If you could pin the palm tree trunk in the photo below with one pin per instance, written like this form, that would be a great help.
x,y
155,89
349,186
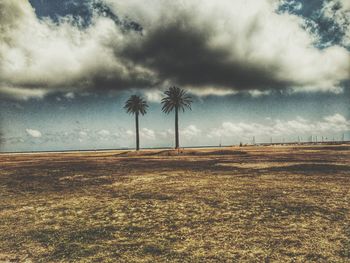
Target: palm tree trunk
x,y
176,128
137,132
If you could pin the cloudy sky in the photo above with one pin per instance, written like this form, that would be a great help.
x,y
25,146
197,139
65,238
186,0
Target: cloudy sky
x,y
270,69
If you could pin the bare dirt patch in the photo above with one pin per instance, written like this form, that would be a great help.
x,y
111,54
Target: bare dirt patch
x,y
250,204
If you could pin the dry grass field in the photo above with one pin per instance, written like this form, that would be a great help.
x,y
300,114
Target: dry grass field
x,y
249,204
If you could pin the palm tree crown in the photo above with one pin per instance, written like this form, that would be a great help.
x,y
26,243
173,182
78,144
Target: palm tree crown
x,y
176,98
136,105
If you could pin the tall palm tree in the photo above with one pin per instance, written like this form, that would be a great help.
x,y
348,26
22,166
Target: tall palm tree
x,y
1,139
136,105
175,99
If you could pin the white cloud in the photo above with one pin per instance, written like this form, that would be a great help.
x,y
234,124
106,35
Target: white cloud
x,y
34,133
336,119
147,134
259,93
190,132
154,96
300,126
69,95
129,133
83,134
22,93
339,12
104,133
292,5
207,91
166,134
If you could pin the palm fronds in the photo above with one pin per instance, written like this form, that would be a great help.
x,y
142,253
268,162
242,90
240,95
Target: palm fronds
x,y
136,105
176,98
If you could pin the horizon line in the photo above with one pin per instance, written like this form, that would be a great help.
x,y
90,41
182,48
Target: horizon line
x,y
185,147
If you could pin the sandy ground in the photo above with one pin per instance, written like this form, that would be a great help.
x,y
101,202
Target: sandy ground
x,y
249,204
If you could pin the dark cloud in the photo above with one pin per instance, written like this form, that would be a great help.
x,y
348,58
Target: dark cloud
x,y
182,54
101,81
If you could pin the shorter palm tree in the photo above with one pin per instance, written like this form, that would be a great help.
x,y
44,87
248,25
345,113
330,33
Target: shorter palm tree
x,y
175,99
136,105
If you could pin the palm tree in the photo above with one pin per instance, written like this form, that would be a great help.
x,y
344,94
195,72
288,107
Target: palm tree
x,y
1,139
136,105
176,98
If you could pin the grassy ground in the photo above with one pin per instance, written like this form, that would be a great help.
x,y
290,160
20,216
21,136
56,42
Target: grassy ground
x,y
250,204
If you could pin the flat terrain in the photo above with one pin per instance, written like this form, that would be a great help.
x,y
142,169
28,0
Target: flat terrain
x,y
249,204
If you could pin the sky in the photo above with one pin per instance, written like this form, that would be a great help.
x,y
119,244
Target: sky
x,y
270,70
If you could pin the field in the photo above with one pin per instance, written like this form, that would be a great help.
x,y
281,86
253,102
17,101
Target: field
x,y
248,204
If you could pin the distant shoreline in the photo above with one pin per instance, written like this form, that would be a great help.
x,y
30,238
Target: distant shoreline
x,y
187,147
